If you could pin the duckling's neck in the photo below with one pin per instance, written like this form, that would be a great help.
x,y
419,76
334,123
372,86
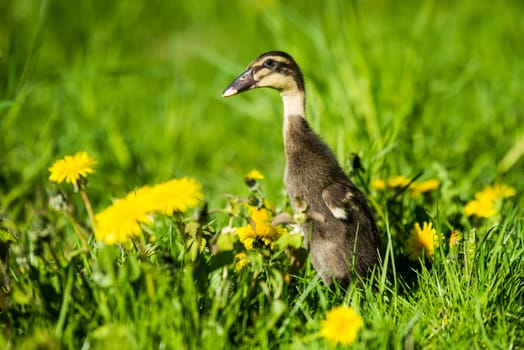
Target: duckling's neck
x,y
294,104
294,108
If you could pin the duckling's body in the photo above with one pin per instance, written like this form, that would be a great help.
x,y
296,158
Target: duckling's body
x,y
343,238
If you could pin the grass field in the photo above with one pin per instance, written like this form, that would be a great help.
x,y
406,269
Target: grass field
x,y
425,90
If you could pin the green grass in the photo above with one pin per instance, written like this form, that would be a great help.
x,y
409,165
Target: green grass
x,y
432,88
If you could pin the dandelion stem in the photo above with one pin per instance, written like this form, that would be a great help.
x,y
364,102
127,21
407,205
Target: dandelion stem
x,y
89,208
65,303
79,232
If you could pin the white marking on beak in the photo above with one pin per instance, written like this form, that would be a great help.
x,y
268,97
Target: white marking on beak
x,y
229,92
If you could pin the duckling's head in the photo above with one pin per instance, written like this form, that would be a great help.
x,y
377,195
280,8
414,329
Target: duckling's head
x,y
274,69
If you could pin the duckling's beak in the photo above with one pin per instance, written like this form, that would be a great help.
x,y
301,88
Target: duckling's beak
x,y
244,82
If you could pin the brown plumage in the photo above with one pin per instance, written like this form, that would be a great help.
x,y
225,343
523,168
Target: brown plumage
x,y
343,239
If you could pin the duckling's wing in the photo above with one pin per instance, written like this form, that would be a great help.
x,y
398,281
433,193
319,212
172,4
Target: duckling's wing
x,y
345,202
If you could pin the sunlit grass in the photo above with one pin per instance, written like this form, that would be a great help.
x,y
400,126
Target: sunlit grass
x,y
428,94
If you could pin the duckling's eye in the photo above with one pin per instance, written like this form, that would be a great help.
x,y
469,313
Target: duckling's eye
x,y
269,63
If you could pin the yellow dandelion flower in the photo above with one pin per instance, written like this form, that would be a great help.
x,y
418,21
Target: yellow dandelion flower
x,y
241,260
72,168
481,208
483,205
122,220
495,192
454,239
254,175
144,198
246,236
176,195
504,191
341,325
260,230
454,244
378,184
397,181
422,240
423,187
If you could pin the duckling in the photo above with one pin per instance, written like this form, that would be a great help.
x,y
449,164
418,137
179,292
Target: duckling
x,y
343,239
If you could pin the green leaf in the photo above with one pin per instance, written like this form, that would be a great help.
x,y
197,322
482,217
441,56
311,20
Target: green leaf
x,y
226,241
6,237
292,240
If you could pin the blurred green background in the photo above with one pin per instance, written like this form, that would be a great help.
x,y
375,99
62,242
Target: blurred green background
x,y
410,86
